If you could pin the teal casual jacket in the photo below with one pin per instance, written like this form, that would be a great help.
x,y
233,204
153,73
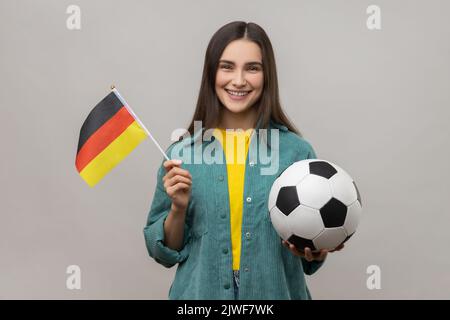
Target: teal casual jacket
x,y
268,270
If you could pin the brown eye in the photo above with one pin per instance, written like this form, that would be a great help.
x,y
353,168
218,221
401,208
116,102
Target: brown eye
x,y
254,68
225,66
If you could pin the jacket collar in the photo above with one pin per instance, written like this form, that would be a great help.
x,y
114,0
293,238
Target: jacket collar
x,y
199,133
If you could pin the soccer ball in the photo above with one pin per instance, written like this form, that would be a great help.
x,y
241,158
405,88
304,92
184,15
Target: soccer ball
x,y
316,204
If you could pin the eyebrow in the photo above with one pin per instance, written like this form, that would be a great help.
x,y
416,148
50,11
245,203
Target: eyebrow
x,y
248,63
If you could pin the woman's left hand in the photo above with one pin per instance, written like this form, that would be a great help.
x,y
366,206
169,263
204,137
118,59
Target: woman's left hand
x,y
308,254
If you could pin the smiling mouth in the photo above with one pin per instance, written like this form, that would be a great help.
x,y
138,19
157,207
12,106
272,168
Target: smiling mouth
x,y
238,93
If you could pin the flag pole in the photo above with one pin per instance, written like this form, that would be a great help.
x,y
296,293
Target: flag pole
x,y
113,88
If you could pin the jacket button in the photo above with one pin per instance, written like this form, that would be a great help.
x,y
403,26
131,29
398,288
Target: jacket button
x,y
225,250
220,178
251,164
247,235
249,199
226,286
223,215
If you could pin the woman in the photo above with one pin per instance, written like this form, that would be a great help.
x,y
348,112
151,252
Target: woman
x,y
211,217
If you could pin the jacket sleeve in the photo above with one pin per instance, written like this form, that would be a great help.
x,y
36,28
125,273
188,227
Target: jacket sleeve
x,y
310,268
154,229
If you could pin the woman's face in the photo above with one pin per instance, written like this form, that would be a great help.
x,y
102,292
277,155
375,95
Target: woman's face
x,y
239,77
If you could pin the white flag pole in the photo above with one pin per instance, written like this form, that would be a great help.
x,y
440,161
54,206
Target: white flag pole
x,y
138,120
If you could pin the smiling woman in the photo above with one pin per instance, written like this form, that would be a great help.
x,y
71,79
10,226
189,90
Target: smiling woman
x,y
211,218
239,58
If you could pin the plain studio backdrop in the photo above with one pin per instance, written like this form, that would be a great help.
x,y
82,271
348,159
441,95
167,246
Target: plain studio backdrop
x,y
375,102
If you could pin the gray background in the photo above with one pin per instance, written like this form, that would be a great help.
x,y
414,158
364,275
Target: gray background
x,y
374,102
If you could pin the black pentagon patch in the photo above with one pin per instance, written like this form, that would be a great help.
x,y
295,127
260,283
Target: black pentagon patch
x,y
301,243
322,168
357,192
333,213
287,199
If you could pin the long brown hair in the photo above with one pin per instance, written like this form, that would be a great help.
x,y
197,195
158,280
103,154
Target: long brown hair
x,y
208,104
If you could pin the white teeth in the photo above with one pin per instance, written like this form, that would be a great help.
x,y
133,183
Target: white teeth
x,y
238,93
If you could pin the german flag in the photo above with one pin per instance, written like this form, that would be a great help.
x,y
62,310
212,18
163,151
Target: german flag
x,y
110,132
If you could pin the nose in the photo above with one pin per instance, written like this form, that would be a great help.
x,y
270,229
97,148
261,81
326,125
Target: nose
x,y
239,80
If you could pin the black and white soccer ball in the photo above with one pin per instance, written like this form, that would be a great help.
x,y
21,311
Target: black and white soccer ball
x,y
316,204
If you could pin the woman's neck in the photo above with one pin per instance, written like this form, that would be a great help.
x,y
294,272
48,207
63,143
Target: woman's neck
x,y
244,120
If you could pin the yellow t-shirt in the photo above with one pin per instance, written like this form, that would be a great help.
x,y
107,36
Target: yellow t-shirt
x,y
235,144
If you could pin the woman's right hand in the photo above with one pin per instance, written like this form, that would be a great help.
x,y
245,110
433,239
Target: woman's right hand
x,y
178,184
